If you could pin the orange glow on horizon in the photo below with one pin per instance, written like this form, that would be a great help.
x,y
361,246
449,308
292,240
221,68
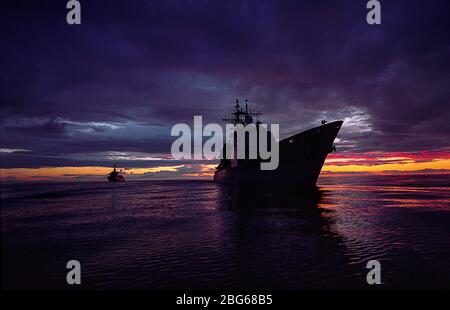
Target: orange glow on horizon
x,y
383,161
438,164
68,173
370,162
205,171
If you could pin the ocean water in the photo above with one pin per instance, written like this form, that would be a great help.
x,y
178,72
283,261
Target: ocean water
x,y
202,235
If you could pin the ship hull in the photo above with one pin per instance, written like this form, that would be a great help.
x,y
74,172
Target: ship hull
x,y
115,180
301,159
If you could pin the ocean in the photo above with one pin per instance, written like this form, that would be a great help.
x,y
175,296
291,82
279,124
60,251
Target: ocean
x,y
188,234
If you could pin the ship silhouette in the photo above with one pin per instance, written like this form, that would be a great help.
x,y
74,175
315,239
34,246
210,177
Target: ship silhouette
x,y
115,176
301,156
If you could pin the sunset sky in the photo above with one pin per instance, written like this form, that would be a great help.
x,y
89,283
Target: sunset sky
x,y
75,99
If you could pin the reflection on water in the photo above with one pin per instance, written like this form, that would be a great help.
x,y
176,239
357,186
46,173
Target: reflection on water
x,y
198,234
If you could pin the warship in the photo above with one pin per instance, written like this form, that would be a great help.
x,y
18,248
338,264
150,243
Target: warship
x,y
301,156
115,176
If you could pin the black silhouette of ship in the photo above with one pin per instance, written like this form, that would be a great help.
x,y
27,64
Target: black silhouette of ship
x,y
116,176
301,156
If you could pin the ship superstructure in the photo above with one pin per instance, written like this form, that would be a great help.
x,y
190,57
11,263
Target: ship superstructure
x,y
116,176
301,156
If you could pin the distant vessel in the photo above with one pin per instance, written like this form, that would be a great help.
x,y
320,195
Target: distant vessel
x,y
301,156
115,176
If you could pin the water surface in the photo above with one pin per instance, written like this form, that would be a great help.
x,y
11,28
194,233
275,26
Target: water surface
x,y
198,234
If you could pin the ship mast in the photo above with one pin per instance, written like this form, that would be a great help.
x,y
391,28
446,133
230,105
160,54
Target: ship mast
x,y
241,116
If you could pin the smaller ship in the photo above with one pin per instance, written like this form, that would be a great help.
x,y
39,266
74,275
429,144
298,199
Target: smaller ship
x,y
115,176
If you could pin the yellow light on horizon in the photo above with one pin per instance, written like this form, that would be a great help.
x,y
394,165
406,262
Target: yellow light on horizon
x,y
205,170
437,164
44,173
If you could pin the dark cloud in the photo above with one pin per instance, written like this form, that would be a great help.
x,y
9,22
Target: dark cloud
x,y
119,81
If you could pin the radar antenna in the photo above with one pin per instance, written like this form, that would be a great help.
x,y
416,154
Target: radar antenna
x,y
241,116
